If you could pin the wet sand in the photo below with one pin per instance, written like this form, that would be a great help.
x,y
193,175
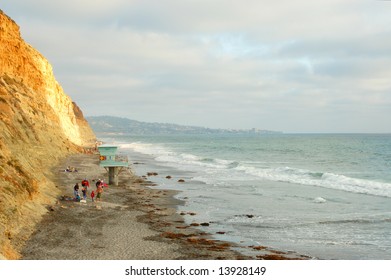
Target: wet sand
x,y
133,221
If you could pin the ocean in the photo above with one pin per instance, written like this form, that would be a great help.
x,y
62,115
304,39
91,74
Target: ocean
x,y
327,196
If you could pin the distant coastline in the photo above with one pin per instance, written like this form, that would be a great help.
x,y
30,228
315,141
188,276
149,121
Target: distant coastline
x,y
110,125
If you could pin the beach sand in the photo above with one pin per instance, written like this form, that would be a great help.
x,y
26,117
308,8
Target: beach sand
x,y
133,221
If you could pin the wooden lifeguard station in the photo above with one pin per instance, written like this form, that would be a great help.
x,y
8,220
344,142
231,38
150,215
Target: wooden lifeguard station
x,y
111,162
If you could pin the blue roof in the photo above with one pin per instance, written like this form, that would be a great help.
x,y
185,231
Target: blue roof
x,y
108,146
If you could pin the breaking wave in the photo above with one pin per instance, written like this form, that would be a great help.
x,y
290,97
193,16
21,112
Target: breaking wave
x,y
223,170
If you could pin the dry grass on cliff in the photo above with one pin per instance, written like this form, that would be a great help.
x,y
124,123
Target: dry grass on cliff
x,y
31,143
38,127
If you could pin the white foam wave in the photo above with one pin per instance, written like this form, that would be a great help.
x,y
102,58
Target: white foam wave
x,y
146,148
180,160
214,170
319,200
327,180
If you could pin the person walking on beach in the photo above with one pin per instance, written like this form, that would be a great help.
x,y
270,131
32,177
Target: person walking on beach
x,y
76,190
99,193
84,191
92,195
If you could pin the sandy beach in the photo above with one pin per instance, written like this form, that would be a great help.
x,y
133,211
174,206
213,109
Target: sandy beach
x,y
133,221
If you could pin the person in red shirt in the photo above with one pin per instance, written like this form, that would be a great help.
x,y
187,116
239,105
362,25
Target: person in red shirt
x,y
92,195
85,183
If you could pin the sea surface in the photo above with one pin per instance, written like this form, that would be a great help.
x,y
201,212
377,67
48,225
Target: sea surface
x,y
327,196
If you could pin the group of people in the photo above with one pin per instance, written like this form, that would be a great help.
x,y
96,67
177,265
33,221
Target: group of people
x,y
70,169
85,184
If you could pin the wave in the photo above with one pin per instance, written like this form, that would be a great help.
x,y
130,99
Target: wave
x,y
269,222
163,154
145,148
218,171
357,221
320,179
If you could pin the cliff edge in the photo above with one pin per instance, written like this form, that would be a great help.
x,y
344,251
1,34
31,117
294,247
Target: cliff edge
x,y
39,125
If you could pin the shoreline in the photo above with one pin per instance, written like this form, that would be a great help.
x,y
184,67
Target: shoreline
x,y
133,221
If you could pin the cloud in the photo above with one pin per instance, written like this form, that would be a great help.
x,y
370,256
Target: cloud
x,y
284,65
69,11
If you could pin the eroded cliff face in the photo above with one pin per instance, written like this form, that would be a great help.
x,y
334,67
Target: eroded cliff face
x,y
39,125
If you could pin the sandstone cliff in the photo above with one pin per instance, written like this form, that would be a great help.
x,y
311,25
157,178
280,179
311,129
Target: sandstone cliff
x,y
39,125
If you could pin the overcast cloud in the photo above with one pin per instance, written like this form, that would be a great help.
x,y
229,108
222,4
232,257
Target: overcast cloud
x,y
294,66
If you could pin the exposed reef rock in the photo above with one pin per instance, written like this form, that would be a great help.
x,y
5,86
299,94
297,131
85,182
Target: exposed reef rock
x,y
39,125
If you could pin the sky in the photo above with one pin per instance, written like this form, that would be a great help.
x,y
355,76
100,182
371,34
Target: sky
x,y
287,65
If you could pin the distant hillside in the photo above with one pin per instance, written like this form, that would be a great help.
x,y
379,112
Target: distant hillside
x,y
116,125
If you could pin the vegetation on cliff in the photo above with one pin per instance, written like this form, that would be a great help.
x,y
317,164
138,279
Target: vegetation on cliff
x,y
39,125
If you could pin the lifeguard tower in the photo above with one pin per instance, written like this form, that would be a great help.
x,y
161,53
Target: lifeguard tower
x,y
113,163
